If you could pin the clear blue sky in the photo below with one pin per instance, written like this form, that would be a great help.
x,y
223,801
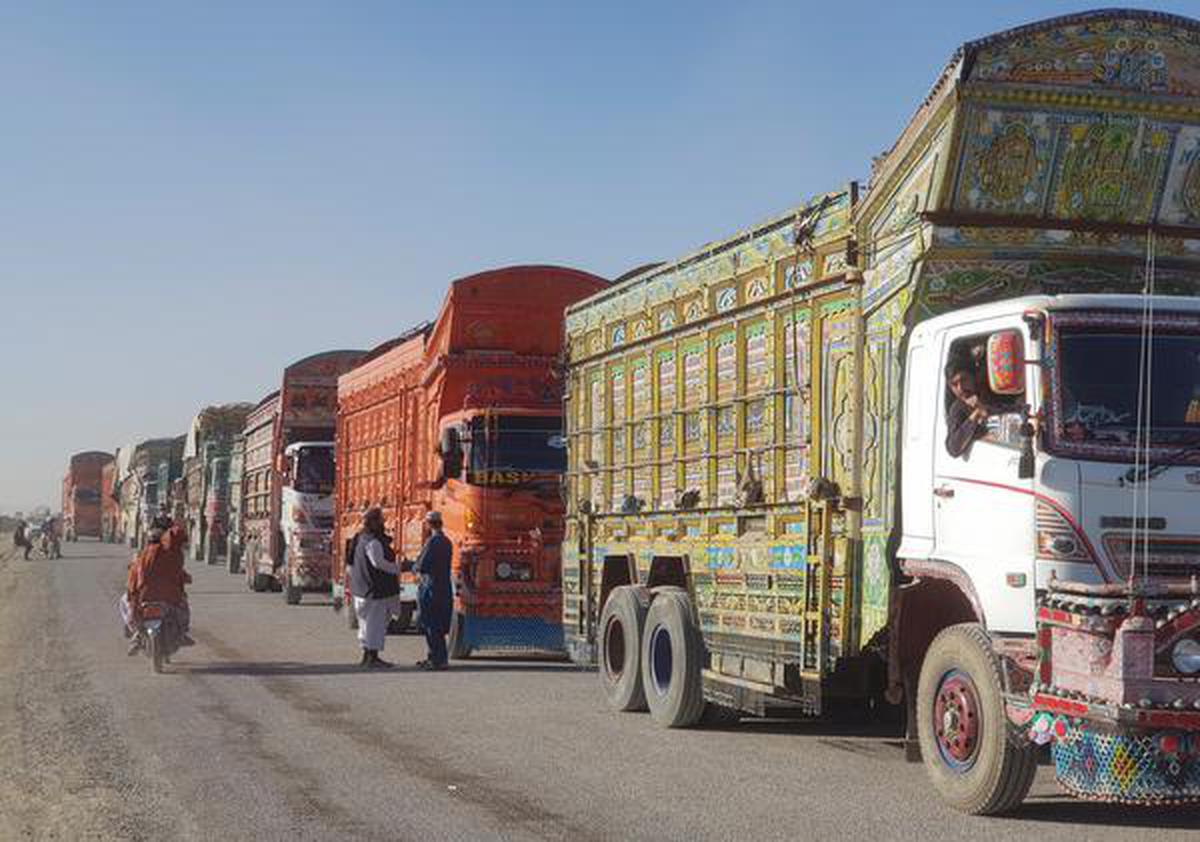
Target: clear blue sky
x,y
194,194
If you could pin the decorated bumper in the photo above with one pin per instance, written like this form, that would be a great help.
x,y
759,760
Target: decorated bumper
x,y
1116,694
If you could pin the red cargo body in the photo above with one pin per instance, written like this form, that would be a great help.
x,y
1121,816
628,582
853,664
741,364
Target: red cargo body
x,y
286,524
81,497
484,377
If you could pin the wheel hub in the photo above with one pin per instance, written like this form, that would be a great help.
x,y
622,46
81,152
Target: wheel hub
x,y
956,720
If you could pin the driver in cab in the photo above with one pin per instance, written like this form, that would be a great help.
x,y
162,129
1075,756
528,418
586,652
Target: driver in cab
x,y
967,415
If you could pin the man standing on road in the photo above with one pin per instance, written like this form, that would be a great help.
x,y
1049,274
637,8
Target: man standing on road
x,y
434,596
375,587
21,538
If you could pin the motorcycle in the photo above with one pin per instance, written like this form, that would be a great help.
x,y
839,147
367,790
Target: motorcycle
x,y
160,633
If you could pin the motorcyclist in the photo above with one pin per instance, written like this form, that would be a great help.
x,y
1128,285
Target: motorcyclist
x,y
158,576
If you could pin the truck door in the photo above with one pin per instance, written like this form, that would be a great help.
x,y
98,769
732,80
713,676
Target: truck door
x,y
983,512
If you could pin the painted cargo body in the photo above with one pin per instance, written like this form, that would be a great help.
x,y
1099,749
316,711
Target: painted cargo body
x,y
81,494
287,482
464,417
758,435
110,513
206,455
237,468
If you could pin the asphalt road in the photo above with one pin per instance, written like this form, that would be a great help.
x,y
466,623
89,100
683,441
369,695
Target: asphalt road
x,y
267,730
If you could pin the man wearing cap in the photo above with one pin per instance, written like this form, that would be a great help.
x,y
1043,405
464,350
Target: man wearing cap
x,y
434,597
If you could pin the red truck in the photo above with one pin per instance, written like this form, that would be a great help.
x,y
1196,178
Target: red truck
x,y
287,484
81,494
465,417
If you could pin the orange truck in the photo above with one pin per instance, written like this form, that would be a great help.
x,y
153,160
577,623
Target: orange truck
x,y
464,416
81,494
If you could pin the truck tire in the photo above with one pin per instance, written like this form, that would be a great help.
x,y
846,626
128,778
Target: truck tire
x,y
402,621
621,624
291,593
975,759
351,616
458,648
672,658
261,582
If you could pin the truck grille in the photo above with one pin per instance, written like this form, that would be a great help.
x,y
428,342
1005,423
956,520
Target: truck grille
x,y
323,521
1170,557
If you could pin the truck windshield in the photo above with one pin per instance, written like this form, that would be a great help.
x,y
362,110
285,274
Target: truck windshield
x,y
1098,395
314,470
516,450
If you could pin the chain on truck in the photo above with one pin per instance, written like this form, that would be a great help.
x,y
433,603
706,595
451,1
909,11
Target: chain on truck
x,y
937,443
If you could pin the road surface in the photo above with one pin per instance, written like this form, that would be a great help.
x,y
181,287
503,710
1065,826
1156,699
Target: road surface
x,y
267,730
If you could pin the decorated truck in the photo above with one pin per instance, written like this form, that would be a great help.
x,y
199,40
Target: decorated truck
x,y
465,417
206,471
287,480
934,443
81,495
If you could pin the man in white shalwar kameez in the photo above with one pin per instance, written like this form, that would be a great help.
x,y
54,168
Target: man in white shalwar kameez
x,y
375,597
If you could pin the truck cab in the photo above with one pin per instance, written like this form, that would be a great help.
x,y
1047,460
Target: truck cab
x,y
503,509
1052,484
306,517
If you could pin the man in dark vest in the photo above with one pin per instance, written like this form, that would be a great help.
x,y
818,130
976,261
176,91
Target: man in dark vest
x,y
435,597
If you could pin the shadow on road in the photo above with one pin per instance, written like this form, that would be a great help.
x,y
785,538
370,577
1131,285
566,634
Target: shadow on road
x,y
1065,810
294,668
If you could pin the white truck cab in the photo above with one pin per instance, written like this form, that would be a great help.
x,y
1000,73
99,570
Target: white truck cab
x,y
1068,403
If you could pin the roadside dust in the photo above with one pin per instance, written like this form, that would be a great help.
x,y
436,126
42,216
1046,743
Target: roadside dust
x,y
66,773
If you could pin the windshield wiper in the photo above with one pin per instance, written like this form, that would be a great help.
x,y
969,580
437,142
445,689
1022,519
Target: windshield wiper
x,y
1135,475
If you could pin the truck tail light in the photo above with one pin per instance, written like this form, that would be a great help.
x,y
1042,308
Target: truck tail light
x,y
298,516
1058,539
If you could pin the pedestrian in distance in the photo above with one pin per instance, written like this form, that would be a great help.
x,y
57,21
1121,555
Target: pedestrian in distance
x,y
435,599
21,538
374,586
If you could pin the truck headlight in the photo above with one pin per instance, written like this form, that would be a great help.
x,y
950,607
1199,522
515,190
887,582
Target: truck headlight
x,y
1186,656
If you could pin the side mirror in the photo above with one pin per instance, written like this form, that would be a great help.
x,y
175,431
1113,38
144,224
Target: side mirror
x,y
450,449
1006,363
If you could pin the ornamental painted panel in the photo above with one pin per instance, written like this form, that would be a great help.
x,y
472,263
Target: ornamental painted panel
x,y
726,365
758,368
1181,199
1110,171
695,382
1125,52
666,382
1006,162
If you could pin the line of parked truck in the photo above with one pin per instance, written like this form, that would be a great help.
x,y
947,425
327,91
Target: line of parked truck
x,y
724,479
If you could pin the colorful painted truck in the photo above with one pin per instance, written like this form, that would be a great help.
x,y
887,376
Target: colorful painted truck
x,y
110,513
287,481
765,509
465,417
81,495
206,455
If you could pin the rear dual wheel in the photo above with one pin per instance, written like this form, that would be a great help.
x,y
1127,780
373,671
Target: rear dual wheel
x,y
672,656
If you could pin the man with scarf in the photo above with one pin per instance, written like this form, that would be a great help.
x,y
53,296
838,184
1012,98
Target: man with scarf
x,y
375,587
435,596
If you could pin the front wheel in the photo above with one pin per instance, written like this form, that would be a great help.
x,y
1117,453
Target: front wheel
x,y
291,593
974,761
402,621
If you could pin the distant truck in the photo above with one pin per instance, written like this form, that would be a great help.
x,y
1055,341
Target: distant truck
x,y
81,495
465,417
287,481
936,444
